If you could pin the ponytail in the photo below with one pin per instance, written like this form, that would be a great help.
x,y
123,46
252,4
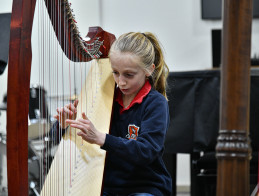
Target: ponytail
x,y
161,71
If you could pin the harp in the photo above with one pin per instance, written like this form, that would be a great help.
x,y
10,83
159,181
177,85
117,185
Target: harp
x,y
20,59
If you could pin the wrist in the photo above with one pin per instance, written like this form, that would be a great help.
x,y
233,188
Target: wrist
x,y
101,139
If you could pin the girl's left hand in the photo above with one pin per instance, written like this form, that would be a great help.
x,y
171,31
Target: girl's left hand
x,y
88,132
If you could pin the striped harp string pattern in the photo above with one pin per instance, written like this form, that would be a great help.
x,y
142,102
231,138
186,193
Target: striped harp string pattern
x,y
67,165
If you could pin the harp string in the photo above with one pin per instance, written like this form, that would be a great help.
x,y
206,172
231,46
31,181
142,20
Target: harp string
x,y
45,50
50,90
62,164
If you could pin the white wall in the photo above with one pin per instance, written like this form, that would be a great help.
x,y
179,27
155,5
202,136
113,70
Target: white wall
x,y
177,23
6,7
186,39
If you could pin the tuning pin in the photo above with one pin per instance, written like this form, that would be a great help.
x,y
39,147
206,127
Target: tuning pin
x,y
86,38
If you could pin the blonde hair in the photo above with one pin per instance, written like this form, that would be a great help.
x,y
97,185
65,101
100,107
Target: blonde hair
x,y
147,48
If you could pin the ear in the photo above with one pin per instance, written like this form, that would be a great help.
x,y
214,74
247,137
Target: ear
x,y
150,70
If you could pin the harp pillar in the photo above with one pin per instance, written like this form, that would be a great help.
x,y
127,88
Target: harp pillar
x,y
233,147
18,92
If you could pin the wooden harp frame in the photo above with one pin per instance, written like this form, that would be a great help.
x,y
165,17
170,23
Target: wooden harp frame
x,y
19,68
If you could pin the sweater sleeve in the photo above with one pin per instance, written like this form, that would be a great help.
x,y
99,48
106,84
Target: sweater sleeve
x,y
56,132
150,142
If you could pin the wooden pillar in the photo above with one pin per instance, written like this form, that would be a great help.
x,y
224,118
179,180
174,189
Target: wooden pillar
x,y
18,91
233,147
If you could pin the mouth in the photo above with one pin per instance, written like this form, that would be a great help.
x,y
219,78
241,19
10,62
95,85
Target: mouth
x,y
124,90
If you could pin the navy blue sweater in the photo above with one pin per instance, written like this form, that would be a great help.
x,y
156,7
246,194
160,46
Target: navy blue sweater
x,y
135,147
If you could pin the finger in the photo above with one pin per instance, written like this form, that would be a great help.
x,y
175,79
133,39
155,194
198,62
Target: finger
x,y
84,116
56,117
78,126
76,103
81,123
60,111
67,111
84,121
72,107
71,121
80,133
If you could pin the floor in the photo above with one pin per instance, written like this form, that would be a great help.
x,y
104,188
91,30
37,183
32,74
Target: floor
x,y
183,191
183,194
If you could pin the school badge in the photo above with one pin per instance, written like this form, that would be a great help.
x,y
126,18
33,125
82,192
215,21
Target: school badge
x,y
132,132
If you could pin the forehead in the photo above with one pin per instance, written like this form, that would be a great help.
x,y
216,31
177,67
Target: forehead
x,y
124,61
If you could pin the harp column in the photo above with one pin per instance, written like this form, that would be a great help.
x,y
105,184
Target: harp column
x,y
233,147
19,67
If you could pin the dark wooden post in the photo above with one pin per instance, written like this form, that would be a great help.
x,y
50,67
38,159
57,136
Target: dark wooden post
x,y
18,89
233,147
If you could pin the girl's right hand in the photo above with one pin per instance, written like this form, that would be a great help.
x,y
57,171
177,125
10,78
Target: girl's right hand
x,y
67,112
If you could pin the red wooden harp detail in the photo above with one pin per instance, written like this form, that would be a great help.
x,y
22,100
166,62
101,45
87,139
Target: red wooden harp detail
x,y
19,68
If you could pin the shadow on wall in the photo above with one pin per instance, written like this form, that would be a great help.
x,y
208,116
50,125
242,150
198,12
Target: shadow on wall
x,y
5,20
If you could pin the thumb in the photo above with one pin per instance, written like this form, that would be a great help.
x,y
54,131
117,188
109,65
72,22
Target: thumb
x,y
56,117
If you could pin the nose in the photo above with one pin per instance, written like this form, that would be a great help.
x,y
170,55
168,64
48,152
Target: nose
x,y
121,81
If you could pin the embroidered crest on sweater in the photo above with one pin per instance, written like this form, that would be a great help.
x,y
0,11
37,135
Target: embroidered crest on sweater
x,y
132,132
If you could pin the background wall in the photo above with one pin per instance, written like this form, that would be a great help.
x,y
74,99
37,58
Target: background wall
x,y
186,38
6,7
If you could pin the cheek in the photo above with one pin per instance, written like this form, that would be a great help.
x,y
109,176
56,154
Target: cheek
x,y
136,85
115,78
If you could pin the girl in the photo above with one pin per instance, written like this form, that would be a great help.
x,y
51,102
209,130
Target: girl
x,y
135,145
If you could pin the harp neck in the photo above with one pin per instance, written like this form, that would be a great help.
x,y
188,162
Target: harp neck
x,y
69,37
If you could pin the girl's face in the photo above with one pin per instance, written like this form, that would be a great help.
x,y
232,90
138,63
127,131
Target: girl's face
x,y
128,75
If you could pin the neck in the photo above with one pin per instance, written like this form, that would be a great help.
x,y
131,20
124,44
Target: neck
x,y
127,100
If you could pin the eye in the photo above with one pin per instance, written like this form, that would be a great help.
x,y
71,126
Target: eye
x,y
129,75
115,73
